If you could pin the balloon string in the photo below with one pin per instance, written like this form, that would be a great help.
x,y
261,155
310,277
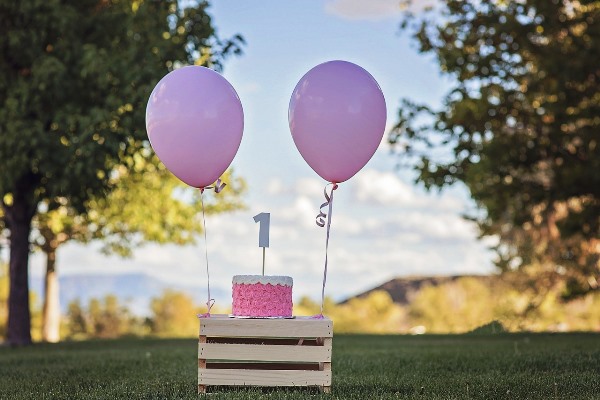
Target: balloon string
x,y
217,187
320,220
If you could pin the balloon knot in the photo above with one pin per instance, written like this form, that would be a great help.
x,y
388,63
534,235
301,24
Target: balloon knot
x,y
210,303
218,186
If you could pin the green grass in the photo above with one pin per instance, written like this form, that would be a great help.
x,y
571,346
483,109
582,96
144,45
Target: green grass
x,y
505,366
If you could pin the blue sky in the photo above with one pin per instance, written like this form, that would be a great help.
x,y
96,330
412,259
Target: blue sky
x,y
383,225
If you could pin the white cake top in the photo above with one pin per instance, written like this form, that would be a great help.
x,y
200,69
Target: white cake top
x,y
264,279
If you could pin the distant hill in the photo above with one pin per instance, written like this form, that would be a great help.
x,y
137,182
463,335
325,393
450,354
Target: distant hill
x,y
135,290
402,290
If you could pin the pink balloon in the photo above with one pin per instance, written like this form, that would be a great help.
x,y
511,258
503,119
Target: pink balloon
x,y
337,118
194,120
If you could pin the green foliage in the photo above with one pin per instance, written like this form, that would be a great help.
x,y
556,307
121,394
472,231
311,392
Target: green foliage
x,y
147,204
74,84
76,321
460,306
520,128
492,328
103,318
519,366
75,81
376,313
453,307
174,315
468,303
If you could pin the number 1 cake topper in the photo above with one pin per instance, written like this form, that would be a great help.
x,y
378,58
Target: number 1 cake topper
x,y
263,233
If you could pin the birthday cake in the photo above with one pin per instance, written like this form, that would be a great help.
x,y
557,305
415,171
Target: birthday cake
x,y
262,296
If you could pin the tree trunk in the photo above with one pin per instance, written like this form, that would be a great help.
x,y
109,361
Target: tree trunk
x,y
18,217
51,313
19,318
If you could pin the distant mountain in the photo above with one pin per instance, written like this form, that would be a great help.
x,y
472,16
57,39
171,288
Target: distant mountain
x,y
135,289
403,290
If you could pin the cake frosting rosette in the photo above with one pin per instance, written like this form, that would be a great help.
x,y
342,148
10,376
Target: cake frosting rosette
x,y
262,296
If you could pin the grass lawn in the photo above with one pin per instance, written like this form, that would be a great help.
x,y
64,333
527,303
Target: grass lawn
x,y
504,366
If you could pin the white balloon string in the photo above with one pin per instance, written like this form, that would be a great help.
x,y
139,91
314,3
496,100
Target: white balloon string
x,y
218,187
321,222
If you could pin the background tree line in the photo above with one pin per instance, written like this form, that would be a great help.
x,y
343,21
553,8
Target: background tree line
x,y
454,307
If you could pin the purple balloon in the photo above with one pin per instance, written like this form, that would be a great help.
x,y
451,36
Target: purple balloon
x,y
337,118
194,120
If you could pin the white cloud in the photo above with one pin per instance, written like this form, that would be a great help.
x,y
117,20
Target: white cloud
x,y
348,224
375,9
361,9
387,189
302,212
275,187
312,187
383,188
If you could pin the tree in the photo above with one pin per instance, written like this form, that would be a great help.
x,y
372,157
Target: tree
x,y
36,316
375,313
107,318
520,129
103,318
174,315
75,79
455,307
77,324
149,205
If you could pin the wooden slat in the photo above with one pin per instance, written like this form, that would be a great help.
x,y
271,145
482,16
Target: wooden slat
x,y
250,352
327,368
221,325
264,366
261,341
242,377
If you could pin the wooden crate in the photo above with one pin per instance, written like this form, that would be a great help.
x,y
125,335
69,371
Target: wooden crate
x,y
264,352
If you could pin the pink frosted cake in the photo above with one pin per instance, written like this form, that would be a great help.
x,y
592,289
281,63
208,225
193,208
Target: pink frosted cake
x,y
262,296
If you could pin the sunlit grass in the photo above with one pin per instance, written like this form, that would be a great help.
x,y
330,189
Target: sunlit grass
x,y
515,366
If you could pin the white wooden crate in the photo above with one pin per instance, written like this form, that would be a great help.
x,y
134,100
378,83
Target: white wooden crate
x,y
264,352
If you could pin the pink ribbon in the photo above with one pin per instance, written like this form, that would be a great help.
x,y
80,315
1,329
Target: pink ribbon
x,y
320,220
209,304
218,186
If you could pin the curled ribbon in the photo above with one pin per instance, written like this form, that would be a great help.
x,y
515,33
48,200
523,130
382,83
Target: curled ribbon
x,y
320,220
209,304
218,186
